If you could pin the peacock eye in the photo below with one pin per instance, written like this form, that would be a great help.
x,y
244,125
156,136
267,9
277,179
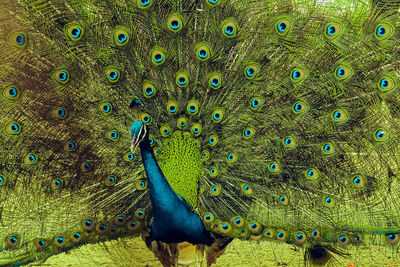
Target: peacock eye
x,y
203,51
251,70
333,30
298,74
157,55
229,27
60,75
384,31
282,26
112,74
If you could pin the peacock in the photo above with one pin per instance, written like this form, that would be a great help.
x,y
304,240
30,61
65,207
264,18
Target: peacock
x,y
197,123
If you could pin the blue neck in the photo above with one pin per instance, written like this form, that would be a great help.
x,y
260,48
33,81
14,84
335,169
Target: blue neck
x,y
173,220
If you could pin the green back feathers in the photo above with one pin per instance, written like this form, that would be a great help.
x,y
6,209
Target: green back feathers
x,y
273,120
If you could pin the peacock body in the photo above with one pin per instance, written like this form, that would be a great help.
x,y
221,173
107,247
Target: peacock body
x,y
259,120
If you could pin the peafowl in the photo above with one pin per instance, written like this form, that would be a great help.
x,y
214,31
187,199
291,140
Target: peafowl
x,y
201,122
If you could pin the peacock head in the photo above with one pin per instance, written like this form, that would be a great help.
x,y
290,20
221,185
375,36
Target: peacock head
x,y
138,134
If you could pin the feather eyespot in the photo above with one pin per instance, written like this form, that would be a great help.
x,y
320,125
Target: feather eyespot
x,y
274,167
343,72
12,241
182,122
141,184
300,238
283,200
205,154
70,146
358,238
110,180
129,157
393,238
59,242
175,22
144,3
231,157
213,171
17,39
217,115
182,78
165,130
358,181
237,221
102,228
281,235
86,167
146,118
120,220
328,148
59,113
30,159
192,107
60,75
339,116
328,201
112,135
384,31
88,225
76,237
112,74
229,27
248,132
282,26
57,184
196,129
134,226
268,233
300,107
215,190
289,142
73,31
381,135
298,74
246,189
215,80
172,107
140,213
254,227
251,70
11,92
3,180
121,36
105,108
40,243
203,51
149,89
208,217
343,240
316,234
387,83
157,55
225,228
213,2
256,102
333,30
201,189
312,174
13,128
212,140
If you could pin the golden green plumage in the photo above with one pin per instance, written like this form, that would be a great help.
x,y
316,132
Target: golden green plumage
x,y
272,119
